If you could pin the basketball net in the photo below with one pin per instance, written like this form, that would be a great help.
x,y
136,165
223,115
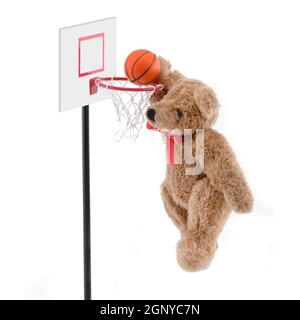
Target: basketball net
x,y
130,102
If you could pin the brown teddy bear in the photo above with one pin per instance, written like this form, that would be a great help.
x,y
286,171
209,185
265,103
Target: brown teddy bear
x,y
199,204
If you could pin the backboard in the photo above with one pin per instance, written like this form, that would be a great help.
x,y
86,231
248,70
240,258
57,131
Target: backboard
x,y
85,51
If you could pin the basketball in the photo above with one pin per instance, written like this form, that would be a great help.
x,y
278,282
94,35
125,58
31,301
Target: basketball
x,y
142,67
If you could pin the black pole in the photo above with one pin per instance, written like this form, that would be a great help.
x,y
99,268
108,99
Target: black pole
x,y
86,203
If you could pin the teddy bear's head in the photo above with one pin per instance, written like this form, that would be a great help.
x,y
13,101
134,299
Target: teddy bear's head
x,y
185,104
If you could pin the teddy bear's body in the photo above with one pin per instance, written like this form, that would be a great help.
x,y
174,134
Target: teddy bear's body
x,y
200,203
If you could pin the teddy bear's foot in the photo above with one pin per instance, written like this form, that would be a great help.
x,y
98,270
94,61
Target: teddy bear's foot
x,y
193,254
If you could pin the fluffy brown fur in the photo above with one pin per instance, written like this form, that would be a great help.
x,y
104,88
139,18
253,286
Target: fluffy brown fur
x,y
199,205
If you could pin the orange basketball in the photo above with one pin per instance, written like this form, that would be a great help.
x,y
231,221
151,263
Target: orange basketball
x,y
142,67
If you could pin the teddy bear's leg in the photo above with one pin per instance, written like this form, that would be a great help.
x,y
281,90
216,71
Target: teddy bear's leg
x,y
177,214
207,214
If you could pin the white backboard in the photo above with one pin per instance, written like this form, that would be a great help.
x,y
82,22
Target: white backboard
x,y
85,51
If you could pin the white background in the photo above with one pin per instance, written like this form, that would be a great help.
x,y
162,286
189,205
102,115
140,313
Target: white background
x,y
248,51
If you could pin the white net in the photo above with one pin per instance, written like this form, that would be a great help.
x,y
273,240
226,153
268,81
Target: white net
x,y
130,107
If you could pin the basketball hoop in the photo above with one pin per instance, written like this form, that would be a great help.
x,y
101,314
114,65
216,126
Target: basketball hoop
x,y
129,100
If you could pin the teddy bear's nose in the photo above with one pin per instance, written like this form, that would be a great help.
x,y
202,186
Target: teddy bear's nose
x,y
151,114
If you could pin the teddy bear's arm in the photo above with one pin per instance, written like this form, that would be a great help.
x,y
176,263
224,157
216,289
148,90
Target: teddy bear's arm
x,y
166,77
225,173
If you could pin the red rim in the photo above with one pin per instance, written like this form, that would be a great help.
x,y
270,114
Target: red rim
x,y
154,87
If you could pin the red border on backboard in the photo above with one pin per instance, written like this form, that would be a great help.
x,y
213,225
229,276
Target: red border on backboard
x,y
98,35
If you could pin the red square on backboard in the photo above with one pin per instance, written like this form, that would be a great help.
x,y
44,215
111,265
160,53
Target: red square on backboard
x,y
90,54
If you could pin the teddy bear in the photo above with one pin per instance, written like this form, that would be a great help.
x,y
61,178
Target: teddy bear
x,y
199,203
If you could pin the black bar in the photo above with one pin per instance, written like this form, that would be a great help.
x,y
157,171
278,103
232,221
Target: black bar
x,y
86,202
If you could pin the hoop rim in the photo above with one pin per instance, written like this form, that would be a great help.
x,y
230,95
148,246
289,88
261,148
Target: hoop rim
x,y
145,88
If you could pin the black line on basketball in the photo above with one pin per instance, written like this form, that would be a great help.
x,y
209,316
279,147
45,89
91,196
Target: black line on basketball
x,y
129,56
146,51
155,78
147,69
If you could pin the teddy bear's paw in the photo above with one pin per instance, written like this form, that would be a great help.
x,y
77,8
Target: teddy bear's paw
x,y
193,256
243,206
240,202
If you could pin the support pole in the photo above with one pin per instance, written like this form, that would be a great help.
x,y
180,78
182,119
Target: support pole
x,y
86,202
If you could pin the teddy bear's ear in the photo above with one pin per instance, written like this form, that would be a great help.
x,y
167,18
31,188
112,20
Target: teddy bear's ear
x,y
207,103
